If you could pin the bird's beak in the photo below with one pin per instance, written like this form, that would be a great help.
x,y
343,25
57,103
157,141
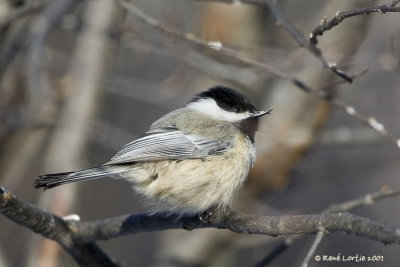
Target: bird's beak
x,y
260,113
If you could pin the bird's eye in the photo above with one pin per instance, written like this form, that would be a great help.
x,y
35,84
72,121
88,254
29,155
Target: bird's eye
x,y
236,109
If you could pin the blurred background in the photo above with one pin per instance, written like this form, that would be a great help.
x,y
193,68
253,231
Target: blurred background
x,y
79,79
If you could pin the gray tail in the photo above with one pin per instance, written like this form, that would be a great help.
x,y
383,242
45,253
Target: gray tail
x,y
48,181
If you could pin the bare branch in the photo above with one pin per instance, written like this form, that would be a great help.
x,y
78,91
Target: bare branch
x,y
11,44
197,42
346,206
77,237
272,5
369,199
370,121
342,15
40,30
239,223
317,241
319,30
300,39
232,54
52,227
274,253
339,82
22,11
350,205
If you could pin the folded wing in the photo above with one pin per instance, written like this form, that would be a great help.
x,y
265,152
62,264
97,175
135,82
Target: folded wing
x,y
161,144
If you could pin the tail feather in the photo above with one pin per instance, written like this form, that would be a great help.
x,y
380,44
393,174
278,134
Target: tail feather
x,y
48,181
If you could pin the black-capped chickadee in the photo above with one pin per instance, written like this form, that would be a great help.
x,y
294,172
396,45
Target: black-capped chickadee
x,y
192,159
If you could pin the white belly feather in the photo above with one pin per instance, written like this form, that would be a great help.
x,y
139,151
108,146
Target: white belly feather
x,y
194,185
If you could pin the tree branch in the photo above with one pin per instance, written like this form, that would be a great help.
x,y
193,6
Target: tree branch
x,y
302,41
317,241
232,54
311,44
53,227
346,206
67,232
369,199
273,6
22,11
342,15
40,30
239,223
77,237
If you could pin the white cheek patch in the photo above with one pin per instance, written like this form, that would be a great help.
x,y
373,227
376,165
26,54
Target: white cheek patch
x,y
209,107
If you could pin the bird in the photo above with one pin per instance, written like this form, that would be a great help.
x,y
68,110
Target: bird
x,y
191,160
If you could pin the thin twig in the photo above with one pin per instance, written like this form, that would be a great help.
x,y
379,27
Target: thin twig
x,y
317,241
217,46
311,44
295,33
342,15
369,199
368,120
366,200
346,206
273,6
275,252
339,82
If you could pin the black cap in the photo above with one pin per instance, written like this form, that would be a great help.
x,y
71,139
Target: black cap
x,y
227,99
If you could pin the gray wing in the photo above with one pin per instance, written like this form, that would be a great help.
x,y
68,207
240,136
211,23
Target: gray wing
x,y
161,144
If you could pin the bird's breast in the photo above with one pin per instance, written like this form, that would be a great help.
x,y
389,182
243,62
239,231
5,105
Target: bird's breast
x,y
195,185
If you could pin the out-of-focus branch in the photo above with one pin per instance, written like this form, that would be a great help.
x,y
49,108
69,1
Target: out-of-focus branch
x,y
40,30
52,227
83,83
27,8
244,76
276,252
320,29
339,82
232,54
366,200
273,6
196,42
342,15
